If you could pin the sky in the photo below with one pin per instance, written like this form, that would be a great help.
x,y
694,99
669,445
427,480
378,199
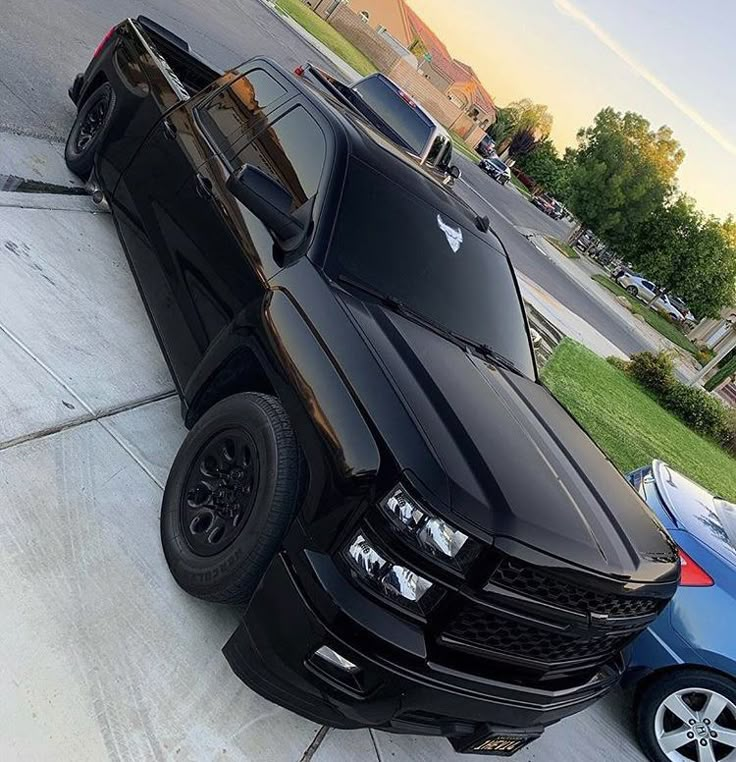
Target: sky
x,y
674,61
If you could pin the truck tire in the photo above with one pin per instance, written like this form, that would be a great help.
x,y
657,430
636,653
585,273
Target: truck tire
x,y
235,486
92,120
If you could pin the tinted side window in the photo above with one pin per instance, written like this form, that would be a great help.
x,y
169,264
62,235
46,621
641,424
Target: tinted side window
x,y
293,150
649,285
237,107
436,149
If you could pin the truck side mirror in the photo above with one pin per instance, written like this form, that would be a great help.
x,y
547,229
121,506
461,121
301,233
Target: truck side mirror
x,y
269,201
454,172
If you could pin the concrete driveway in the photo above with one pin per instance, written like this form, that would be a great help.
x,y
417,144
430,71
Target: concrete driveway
x,y
104,658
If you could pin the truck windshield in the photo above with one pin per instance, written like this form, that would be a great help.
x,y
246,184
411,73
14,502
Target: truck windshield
x,y
403,247
405,118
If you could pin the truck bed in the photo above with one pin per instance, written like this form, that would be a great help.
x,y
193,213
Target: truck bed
x,y
190,69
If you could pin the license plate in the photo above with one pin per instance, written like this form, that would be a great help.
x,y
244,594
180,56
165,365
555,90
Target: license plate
x,y
500,745
496,743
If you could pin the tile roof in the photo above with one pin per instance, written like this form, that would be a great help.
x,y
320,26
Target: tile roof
x,y
449,67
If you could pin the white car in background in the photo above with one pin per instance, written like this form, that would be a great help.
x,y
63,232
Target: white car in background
x,y
645,290
496,168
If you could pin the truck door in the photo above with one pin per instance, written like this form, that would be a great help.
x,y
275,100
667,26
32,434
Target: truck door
x,y
228,255
156,215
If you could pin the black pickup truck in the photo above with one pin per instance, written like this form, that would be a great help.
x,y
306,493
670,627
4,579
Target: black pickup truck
x,y
423,539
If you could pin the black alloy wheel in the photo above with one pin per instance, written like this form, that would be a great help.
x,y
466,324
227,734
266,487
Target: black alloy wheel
x,y
219,493
93,119
234,488
91,124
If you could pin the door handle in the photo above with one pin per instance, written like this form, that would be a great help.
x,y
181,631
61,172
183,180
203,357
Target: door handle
x,y
169,130
203,186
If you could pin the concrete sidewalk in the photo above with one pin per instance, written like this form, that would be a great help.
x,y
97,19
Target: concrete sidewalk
x,y
582,271
566,321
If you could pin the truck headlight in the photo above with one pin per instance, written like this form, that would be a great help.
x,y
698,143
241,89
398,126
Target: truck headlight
x,y
367,561
405,583
394,581
430,533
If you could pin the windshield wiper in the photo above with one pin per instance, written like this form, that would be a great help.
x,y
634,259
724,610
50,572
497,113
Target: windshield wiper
x,y
398,306
484,350
495,356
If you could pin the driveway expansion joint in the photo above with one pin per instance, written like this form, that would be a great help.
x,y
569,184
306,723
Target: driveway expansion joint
x,y
100,417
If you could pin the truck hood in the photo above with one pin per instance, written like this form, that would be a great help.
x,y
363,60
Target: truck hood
x,y
517,464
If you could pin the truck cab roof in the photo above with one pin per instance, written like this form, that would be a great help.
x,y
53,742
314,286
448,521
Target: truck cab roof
x,y
356,136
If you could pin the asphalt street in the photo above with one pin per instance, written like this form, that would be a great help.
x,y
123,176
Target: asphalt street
x,y
511,217
45,43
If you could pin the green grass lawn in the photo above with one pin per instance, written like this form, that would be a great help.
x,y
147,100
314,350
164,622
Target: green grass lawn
x,y
657,321
327,35
628,425
563,247
463,147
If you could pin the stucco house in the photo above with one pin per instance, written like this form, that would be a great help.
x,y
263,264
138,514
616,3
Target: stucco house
x,y
455,79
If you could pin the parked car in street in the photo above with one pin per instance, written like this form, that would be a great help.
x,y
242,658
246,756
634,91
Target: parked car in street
x,y
397,115
549,206
643,289
664,304
496,168
689,320
637,285
487,147
684,665
422,538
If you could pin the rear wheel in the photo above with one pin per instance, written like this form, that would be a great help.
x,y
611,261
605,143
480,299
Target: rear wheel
x,y
688,716
232,492
633,290
92,120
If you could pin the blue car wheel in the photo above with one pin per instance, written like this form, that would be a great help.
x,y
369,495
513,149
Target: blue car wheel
x,y
688,716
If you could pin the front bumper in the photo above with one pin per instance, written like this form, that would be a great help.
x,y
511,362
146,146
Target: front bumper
x,y
295,611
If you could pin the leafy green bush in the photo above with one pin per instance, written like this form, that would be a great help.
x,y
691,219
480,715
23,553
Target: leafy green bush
x,y
727,436
617,362
704,355
696,408
692,405
653,372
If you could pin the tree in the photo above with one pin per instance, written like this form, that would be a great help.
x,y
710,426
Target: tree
x,y
524,117
689,254
623,172
708,283
527,115
503,127
522,143
544,165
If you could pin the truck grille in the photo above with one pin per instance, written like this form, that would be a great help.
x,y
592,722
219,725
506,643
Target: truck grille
x,y
481,629
526,580
575,627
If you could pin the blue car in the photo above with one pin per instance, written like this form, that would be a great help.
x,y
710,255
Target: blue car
x,y
684,664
